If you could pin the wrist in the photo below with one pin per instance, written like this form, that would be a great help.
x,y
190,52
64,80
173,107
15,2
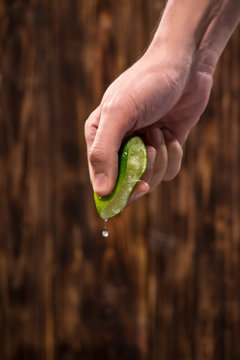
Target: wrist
x,y
217,35
184,24
196,31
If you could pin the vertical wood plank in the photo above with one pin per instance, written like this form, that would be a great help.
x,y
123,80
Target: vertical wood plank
x,y
165,284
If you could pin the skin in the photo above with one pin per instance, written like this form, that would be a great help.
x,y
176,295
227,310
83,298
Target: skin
x,y
162,96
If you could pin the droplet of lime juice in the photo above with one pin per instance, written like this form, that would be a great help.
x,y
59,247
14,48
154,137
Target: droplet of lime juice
x,y
105,232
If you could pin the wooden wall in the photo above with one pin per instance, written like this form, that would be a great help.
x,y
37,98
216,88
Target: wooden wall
x,y
166,284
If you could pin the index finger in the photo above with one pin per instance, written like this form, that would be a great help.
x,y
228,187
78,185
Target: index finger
x,y
91,126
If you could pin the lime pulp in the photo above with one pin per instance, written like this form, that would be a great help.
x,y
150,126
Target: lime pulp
x,y
132,165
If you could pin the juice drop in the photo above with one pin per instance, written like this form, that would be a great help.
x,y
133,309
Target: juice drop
x,y
105,232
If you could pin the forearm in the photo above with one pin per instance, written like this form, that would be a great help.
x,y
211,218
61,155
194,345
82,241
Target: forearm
x,y
218,33
197,28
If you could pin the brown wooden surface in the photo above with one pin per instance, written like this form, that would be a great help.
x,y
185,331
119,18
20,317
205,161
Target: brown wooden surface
x,y
166,284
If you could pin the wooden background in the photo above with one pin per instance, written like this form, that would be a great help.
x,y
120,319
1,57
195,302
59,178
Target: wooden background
x,y
166,284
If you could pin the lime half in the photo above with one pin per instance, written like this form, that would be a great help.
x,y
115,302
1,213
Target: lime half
x,y
132,165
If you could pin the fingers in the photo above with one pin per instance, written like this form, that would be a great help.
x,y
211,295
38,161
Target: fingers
x,y
164,162
90,130
156,166
91,126
143,186
104,138
156,139
104,131
167,162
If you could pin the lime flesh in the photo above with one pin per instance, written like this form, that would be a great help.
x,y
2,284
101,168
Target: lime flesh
x,y
132,165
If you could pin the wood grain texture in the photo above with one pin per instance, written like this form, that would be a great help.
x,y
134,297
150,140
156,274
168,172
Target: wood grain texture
x,y
166,283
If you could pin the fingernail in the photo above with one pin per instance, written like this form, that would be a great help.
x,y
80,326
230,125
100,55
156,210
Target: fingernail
x,y
100,183
155,136
143,187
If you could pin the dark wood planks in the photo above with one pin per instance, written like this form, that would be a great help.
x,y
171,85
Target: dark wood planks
x,y
166,284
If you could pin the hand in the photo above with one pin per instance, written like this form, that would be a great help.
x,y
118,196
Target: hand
x,y
156,98
163,94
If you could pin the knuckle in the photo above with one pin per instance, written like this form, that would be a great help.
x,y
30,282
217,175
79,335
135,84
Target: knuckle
x,y
175,154
151,155
124,103
175,151
96,156
91,124
108,107
178,151
90,132
86,127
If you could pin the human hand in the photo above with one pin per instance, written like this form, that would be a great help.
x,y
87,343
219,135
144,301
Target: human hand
x,y
157,98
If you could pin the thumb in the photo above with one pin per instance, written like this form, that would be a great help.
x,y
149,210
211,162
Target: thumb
x,y
103,154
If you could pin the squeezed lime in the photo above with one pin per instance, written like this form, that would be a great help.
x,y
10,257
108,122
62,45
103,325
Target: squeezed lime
x,y
132,165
